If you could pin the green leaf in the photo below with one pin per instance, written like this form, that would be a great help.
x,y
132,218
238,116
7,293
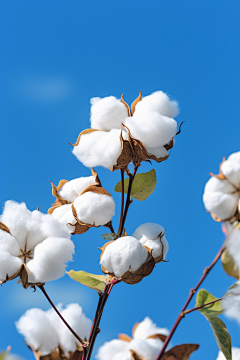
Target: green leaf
x,y
142,187
96,282
109,236
204,297
229,265
4,354
222,336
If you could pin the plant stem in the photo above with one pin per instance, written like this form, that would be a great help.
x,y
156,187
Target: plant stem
x,y
95,327
192,292
122,204
202,306
41,287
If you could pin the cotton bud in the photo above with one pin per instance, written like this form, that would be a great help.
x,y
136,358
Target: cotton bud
x,y
146,342
82,203
153,236
128,259
33,246
222,191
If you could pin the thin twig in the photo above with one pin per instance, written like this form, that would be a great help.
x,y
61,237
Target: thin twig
x,y
122,203
192,292
201,306
41,287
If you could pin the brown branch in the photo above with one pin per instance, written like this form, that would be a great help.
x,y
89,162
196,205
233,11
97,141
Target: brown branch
x,y
192,292
201,306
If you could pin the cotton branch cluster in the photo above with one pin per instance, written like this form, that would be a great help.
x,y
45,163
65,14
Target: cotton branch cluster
x,y
147,340
119,135
45,333
33,246
131,258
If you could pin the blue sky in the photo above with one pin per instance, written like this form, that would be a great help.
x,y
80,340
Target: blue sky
x,y
55,56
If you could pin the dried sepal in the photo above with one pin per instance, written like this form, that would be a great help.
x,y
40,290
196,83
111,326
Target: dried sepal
x,y
220,176
4,228
180,352
23,277
96,189
80,227
14,276
135,328
59,200
97,180
135,356
128,108
124,337
57,354
160,257
126,154
84,132
158,336
139,98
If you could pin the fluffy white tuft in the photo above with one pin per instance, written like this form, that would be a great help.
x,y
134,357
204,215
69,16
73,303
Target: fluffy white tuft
x,y
72,189
112,350
9,264
107,113
235,354
149,350
233,245
8,243
159,152
100,148
148,234
147,328
95,209
124,253
64,214
38,331
231,169
231,303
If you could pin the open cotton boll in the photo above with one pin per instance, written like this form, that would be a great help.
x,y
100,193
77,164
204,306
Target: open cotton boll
x,y
8,243
72,189
100,148
95,209
38,331
9,264
235,354
231,169
107,113
124,253
111,350
49,259
231,303
159,102
148,350
147,328
64,214
151,128
15,216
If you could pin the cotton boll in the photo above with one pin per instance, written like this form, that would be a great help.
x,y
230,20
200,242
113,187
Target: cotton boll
x,y
113,348
151,128
95,209
123,253
64,214
231,169
159,102
147,328
145,349
72,189
221,204
38,331
235,354
99,148
159,152
49,259
15,216
8,243
9,264
107,113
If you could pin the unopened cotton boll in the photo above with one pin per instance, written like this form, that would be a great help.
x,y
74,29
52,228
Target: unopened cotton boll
x,y
107,113
100,148
72,189
151,128
38,331
95,209
122,254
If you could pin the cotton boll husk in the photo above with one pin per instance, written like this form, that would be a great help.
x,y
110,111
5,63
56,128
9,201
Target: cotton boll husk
x,y
15,217
235,354
110,349
9,264
159,152
100,148
72,189
123,253
147,328
107,113
64,214
148,350
151,128
231,303
9,243
38,331
231,169
49,258
95,209
159,102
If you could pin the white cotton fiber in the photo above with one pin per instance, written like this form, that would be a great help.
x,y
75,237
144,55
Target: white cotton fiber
x,y
153,129
72,189
9,243
148,350
231,169
107,113
159,152
148,235
95,209
233,245
219,198
49,259
158,102
123,253
147,328
231,303
78,321
15,216
9,264
99,148
64,214
235,354
111,350
38,331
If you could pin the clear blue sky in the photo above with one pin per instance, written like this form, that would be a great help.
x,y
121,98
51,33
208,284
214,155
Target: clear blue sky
x,y
55,56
